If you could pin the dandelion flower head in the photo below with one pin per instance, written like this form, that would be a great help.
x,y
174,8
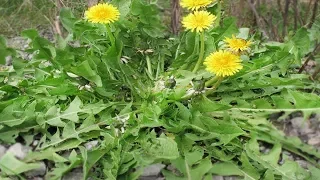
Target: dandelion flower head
x,y
195,4
237,44
198,21
102,13
223,63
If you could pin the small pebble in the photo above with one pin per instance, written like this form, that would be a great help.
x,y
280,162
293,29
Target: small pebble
x,y
37,178
314,141
75,174
18,150
153,170
297,122
35,143
231,177
312,63
301,125
91,144
8,60
293,132
303,164
41,171
216,177
151,178
2,150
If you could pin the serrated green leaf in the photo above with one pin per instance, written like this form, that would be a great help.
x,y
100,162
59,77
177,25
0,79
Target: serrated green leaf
x,y
90,158
30,33
315,172
67,19
73,107
162,148
87,72
206,105
268,175
12,166
226,169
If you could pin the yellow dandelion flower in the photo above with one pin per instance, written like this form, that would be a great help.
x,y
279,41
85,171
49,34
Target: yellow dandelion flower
x,y
198,21
195,4
237,44
102,13
223,63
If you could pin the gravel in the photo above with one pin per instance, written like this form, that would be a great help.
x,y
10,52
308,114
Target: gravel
x,y
302,126
91,144
18,150
231,178
37,178
217,177
307,130
2,150
22,44
41,171
303,163
76,174
151,178
153,170
314,141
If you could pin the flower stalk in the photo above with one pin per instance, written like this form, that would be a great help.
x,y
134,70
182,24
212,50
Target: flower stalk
x,y
149,68
111,37
201,53
211,81
217,79
215,86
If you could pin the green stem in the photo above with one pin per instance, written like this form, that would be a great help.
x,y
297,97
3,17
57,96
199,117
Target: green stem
x,y
187,169
215,86
111,37
201,53
217,22
211,81
149,67
110,73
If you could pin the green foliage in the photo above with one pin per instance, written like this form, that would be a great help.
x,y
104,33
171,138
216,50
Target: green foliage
x,y
87,87
5,51
11,166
